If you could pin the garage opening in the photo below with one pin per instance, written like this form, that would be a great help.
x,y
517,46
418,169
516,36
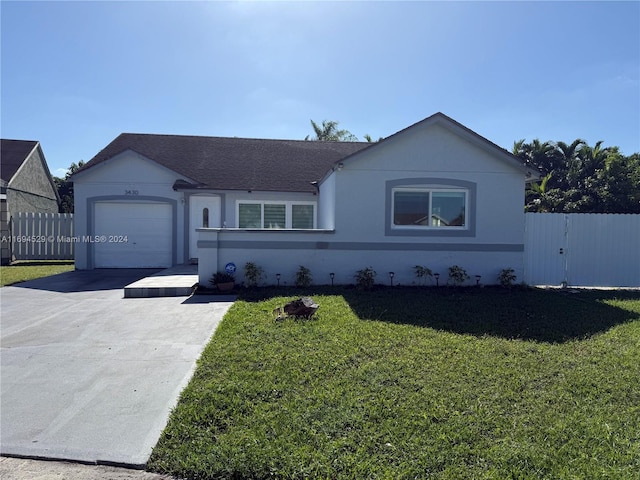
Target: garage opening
x,y
133,235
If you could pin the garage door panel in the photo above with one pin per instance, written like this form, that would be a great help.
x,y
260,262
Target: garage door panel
x,y
141,234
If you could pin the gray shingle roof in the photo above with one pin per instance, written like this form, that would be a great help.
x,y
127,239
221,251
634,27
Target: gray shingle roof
x,y
236,163
13,153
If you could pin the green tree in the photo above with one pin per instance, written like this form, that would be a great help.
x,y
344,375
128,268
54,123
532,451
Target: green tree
x,y
581,178
537,196
328,132
368,138
65,187
536,154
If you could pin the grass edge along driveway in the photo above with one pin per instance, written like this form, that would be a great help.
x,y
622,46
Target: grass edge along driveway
x,y
23,271
474,383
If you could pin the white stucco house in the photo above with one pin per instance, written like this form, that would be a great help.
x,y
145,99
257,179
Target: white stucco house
x,y
434,194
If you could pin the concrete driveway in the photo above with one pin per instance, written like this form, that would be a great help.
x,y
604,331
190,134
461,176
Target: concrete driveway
x,y
88,375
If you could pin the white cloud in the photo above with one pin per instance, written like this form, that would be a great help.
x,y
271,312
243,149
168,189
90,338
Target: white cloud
x,y
60,172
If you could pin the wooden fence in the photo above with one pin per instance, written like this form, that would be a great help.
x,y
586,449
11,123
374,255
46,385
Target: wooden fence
x,y
42,236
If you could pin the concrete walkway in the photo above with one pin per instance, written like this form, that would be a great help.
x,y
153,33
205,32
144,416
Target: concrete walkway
x,y
90,376
178,281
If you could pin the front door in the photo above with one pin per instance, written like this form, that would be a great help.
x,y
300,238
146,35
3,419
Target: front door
x,y
204,212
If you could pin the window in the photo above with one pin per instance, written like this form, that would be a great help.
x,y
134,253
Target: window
x,y
302,216
205,218
430,207
250,215
410,207
448,209
418,207
276,215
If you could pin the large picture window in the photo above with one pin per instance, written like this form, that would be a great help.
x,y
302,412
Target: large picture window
x,y
429,208
276,215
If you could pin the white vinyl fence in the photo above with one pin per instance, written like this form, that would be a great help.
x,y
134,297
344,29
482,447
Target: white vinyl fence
x,y
42,236
580,249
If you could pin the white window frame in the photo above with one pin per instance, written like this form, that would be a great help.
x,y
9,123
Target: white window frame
x,y
288,212
430,191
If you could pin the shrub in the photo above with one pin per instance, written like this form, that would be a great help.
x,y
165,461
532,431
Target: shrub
x,y
507,277
365,278
422,273
457,275
303,277
222,277
253,274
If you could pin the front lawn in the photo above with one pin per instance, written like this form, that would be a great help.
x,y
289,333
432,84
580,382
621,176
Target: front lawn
x,y
22,271
407,383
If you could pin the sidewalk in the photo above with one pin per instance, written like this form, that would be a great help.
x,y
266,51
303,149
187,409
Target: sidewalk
x,y
23,469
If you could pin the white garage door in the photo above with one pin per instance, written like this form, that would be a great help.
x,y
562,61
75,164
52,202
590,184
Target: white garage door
x,y
132,235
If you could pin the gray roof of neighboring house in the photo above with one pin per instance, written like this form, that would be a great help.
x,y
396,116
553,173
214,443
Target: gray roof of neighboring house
x,y
13,153
235,163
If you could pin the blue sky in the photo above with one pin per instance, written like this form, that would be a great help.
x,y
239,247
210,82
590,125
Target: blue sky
x,y
76,74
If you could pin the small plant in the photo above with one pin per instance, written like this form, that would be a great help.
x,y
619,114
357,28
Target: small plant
x,y
422,273
223,281
507,277
457,275
365,278
222,277
253,274
303,277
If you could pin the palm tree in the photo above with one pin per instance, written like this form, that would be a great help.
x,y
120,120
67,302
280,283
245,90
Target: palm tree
x,y
535,153
567,161
329,132
368,138
587,161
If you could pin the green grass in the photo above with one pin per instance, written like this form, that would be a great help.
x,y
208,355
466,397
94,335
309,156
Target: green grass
x,y
22,271
407,383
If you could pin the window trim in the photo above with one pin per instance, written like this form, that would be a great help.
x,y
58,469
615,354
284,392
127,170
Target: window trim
x,y
431,185
288,213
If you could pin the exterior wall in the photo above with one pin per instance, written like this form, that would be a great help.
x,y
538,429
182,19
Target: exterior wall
x,y
354,211
30,189
327,203
282,251
127,177
19,201
495,238
434,153
132,177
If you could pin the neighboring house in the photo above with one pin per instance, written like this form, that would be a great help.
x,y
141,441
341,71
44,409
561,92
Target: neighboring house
x,y
26,185
434,194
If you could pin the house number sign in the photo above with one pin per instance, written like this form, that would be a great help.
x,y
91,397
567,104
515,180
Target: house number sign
x,y
131,192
